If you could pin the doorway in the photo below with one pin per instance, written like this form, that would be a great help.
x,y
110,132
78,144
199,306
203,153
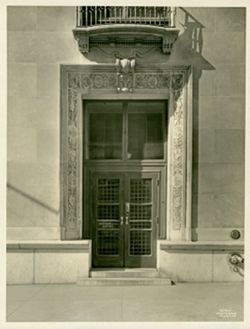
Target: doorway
x,y
125,151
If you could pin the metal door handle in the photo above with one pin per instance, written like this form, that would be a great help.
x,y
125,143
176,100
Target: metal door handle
x,y
126,220
121,220
127,207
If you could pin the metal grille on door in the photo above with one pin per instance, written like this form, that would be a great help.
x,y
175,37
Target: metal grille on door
x,y
108,214
140,216
124,232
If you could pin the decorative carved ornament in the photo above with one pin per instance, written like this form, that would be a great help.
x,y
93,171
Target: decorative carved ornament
x,y
125,74
114,81
82,82
136,51
178,152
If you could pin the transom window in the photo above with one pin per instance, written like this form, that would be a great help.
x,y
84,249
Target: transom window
x,y
125,130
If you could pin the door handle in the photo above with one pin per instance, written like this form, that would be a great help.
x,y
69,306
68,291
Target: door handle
x,y
121,220
127,208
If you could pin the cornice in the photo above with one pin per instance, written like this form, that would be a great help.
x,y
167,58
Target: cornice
x,y
124,35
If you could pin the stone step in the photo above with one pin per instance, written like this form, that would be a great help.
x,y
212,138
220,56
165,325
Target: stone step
x,y
124,273
124,281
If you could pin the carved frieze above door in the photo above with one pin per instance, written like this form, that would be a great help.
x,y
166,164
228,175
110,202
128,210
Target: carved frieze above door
x,y
79,82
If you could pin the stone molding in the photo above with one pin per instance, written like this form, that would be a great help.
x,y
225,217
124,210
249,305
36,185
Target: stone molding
x,y
96,81
50,244
202,245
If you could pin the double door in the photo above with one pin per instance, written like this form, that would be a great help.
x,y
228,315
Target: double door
x,y
124,219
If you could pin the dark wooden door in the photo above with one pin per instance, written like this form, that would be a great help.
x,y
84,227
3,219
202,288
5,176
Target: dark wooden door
x,y
124,215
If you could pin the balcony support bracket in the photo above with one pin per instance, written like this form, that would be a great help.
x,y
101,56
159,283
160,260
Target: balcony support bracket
x,y
82,40
168,41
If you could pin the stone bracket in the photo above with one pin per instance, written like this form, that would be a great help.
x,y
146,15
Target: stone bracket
x,y
82,40
168,41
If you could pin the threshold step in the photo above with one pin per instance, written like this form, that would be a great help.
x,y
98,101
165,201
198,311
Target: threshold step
x,y
124,281
124,273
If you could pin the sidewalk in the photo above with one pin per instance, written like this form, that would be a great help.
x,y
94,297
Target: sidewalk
x,y
181,302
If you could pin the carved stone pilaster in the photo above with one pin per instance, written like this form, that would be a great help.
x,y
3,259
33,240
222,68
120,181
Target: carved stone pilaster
x,y
178,153
72,195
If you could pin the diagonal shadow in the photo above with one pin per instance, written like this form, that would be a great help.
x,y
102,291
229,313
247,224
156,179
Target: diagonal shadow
x,y
31,198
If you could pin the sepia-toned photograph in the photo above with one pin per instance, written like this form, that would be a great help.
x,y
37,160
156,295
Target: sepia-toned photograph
x,y
125,163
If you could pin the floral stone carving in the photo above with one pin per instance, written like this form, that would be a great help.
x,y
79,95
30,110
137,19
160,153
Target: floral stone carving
x,y
178,169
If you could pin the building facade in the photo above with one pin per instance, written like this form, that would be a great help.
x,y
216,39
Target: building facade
x,y
125,142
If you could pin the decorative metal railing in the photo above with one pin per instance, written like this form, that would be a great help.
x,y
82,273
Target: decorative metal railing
x,y
89,16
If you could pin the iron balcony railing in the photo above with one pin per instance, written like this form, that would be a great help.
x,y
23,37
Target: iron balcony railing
x,y
89,16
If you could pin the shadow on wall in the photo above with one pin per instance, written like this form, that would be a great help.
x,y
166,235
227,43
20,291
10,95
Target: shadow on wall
x,y
190,44
31,198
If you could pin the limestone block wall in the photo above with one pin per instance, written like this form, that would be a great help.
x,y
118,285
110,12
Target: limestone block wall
x,y
47,261
212,40
39,40
218,56
200,265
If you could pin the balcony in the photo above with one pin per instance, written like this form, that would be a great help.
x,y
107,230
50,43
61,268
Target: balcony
x,y
104,25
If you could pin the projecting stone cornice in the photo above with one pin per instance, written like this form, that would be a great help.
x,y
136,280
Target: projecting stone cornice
x,y
124,35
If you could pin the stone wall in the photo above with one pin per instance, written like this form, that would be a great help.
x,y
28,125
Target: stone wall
x,y
218,57
40,39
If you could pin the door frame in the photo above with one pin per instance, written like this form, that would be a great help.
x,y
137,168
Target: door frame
x,y
160,82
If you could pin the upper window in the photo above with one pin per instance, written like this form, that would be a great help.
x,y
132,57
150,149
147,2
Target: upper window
x,y
125,130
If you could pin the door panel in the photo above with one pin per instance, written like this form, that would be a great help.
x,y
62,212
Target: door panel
x,y
141,213
107,229
124,219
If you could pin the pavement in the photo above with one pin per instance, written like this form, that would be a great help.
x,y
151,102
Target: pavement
x,y
70,302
